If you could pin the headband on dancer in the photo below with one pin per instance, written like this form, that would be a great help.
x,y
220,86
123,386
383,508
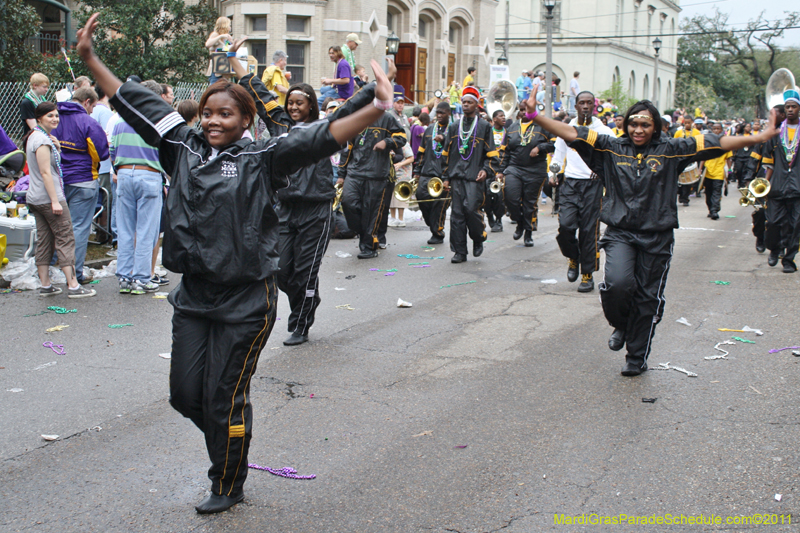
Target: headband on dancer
x,y
791,96
643,117
301,91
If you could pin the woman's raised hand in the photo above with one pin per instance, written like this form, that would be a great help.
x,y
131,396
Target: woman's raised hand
x,y
384,90
85,48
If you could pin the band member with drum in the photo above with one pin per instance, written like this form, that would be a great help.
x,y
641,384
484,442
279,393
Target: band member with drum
x,y
471,158
495,209
689,179
365,171
429,165
640,219
579,200
523,168
783,200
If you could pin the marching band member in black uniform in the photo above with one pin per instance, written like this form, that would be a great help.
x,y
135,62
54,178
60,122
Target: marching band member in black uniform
x,y
429,165
640,171
580,196
366,170
758,170
523,168
471,158
222,235
783,200
495,208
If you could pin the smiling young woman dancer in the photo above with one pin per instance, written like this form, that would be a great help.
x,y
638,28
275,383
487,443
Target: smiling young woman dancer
x,y
222,235
640,170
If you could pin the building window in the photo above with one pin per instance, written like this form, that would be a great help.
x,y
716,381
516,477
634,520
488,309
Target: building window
x,y
423,29
556,17
259,51
296,24
390,21
257,24
296,64
452,34
51,14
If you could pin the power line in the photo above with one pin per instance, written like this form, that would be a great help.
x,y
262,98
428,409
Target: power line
x,y
615,37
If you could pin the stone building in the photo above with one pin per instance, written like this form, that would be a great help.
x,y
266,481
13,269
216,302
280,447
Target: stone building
x,y
624,53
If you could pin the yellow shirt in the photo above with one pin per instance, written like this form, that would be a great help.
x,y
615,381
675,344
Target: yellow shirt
x,y
274,76
617,131
715,168
466,81
698,113
681,134
791,130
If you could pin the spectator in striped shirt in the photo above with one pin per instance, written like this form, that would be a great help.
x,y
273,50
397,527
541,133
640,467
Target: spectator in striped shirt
x,y
139,201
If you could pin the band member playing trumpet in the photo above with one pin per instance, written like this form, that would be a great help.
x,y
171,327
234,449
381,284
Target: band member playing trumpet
x,y
640,172
495,209
523,168
471,158
429,165
579,200
783,200
366,171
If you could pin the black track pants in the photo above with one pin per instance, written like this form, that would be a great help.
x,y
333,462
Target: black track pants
x,y
783,227
579,212
632,290
495,204
466,216
523,190
218,333
305,233
388,191
365,203
713,190
759,223
434,213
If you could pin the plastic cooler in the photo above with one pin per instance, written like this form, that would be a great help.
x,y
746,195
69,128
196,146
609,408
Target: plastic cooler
x,y
20,237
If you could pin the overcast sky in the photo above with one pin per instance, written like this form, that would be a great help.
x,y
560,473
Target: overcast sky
x,y
741,11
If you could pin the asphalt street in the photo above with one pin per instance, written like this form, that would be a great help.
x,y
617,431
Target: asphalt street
x,y
492,404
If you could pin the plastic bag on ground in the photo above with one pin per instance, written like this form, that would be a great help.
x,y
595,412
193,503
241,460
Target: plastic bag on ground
x,y
108,271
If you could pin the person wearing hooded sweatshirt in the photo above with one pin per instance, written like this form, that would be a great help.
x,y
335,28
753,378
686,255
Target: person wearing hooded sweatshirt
x,y
83,146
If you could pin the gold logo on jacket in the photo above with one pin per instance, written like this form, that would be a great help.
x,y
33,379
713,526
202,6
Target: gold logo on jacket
x,y
653,163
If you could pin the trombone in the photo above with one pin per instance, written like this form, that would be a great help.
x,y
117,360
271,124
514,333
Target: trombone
x,y
756,189
404,190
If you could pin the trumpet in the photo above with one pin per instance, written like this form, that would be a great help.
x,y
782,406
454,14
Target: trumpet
x,y
496,186
404,190
435,187
757,189
337,200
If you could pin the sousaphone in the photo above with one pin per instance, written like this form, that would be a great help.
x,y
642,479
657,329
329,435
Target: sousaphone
x,y
781,81
502,95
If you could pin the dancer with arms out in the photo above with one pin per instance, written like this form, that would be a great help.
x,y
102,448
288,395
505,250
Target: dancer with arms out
x,y
640,171
222,235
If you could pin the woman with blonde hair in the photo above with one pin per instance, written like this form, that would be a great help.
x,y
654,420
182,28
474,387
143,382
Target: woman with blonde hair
x,y
219,41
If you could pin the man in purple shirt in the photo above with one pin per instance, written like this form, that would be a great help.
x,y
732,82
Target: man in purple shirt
x,y
344,74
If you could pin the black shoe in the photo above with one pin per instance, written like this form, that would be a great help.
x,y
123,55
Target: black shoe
x,y
528,239
685,203
295,339
772,259
587,283
789,267
760,246
781,254
477,248
572,271
436,240
633,369
617,340
518,232
458,258
369,254
714,216
497,227
709,215
216,503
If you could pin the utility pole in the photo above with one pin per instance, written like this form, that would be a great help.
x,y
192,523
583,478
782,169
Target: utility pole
x,y
548,78
657,46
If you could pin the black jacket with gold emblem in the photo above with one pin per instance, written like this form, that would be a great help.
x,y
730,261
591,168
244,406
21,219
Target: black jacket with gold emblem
x,y
430,158
361,160
642,183
479,153
516,152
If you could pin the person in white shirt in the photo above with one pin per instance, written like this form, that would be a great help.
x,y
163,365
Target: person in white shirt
x,y
574,90
579,200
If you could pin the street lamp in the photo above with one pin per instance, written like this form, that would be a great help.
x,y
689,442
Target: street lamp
x,y
392,44
657,46
548,90
502,60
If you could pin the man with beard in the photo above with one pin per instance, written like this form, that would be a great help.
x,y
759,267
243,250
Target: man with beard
x,y
579,201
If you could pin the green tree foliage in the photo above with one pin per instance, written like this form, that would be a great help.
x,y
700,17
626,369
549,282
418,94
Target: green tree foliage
x,y
154,39
619,96
732,67
19,21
